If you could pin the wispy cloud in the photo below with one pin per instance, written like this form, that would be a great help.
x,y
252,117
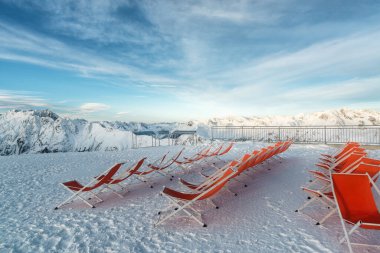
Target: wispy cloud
x,y
10,99
21,45
211,57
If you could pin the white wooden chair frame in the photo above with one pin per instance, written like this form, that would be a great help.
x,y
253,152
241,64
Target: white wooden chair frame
x,y
82,194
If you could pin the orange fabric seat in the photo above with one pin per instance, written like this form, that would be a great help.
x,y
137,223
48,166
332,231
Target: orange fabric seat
x,y
356,202
103,179
209,193
129,172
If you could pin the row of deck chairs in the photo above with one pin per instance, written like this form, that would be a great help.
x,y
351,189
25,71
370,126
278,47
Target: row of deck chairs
x,y
120,175
183,202
346,184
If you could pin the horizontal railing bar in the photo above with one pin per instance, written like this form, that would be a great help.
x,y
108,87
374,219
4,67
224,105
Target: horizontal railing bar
x,y
317,126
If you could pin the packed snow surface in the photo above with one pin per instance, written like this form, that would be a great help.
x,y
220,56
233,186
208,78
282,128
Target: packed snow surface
x,y
260,219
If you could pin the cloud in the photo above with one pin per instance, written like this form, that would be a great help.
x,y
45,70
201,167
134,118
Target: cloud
x,y
18,44
207,56
93,107
11,99
122,113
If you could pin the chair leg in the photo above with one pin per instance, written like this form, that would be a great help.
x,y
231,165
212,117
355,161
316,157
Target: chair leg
x,y
99,199
213,203
346,236
326,217
306,204
85,201
72,197
179,208
114,192
229,190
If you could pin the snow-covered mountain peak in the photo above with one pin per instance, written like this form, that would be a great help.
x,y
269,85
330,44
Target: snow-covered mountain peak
x,y
44,131
339,117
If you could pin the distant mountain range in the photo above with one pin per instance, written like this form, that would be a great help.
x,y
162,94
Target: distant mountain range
x,y
44,131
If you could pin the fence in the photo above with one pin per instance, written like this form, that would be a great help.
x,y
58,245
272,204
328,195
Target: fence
x,y
367,135
148,138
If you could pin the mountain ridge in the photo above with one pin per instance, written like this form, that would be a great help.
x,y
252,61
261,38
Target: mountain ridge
x,y
42,131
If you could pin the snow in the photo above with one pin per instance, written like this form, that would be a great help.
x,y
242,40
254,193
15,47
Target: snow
x,y
260,219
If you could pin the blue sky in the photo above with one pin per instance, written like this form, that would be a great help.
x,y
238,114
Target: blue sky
x,y
179,60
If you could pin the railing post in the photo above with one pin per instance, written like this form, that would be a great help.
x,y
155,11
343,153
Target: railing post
x,y
279,133
212,133
325,133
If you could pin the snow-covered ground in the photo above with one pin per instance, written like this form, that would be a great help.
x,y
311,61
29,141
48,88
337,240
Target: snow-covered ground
x,y
260,219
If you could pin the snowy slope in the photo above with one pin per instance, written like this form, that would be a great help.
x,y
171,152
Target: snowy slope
x,y
260,219
44,131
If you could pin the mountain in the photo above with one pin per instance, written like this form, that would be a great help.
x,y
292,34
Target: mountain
x,y
45,131
341,117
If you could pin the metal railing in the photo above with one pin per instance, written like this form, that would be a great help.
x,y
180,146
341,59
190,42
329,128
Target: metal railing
x,y
366,135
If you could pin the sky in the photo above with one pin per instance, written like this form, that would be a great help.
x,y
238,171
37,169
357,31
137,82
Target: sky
x,y
157,61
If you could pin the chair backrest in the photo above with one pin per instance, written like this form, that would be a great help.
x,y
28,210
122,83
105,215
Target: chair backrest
x,y
371,170
127,173
217,185
216,151
261,156
244,163
351,161
347,148
229,147
352,158
170,161
354,196
206,192
345,154
286,146
202,154
370,161
255,156
105,178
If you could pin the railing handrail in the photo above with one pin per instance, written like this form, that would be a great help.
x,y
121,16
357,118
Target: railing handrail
x,y
319,126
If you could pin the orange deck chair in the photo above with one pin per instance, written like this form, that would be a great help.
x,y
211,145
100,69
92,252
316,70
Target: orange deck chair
x,y
183,201
241,164
340,160
82,191
356,204
351,162
159,167
339,152
325,195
